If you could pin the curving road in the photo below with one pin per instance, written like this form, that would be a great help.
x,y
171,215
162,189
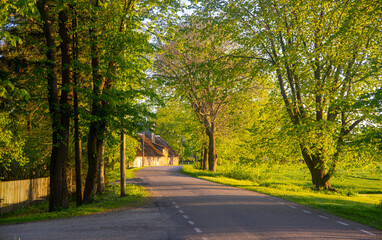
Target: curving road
x,y
189,208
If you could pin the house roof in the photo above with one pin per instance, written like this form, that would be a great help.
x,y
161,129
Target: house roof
x,y
154,149
149,148
162,142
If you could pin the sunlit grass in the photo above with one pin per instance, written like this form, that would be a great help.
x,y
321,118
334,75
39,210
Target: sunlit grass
x,y
109,200
358,196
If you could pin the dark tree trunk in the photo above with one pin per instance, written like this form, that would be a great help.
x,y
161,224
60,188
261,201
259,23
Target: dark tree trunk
x,y
97,126
212,156
77,133
59,109
101,172
320,178
91,178
65,107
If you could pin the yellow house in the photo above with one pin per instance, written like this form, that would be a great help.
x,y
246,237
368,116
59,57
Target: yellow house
x,y
154,151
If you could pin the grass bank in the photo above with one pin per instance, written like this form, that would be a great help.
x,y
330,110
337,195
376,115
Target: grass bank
x,y
107,201
359,195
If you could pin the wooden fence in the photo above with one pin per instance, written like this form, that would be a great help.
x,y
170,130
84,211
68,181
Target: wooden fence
x,y
16,194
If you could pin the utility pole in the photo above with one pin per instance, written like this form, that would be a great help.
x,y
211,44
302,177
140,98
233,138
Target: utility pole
x,y
123,178
143,149
181,140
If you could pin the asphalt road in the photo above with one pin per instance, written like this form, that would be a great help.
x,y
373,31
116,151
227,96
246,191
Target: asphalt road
x,y
187,208
216,211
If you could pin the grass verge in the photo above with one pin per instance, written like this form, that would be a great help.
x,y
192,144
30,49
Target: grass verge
x,y
109,200
358,198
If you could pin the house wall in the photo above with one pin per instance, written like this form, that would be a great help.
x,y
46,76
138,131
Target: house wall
x,y
155,161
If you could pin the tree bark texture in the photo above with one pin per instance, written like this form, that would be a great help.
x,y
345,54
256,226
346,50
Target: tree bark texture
x,y
205,159
59,107
97,126
77,133
101,177
320,178
212,156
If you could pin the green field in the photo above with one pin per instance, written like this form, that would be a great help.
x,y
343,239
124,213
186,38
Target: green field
x,y
358,196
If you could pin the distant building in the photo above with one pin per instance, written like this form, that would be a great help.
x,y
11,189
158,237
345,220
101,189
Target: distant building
x,y
155,151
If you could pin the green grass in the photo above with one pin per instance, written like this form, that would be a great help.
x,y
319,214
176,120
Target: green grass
x,y
358,196
109,200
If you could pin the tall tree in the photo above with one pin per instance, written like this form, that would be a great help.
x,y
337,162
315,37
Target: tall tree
x,y
197,66
323,56
97,126
77,132
59,101
118,62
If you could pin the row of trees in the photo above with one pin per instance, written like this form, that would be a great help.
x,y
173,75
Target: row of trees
x,y
74,70
324,58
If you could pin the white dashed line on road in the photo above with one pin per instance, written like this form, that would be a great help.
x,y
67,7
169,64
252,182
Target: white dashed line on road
x,y
191,222
292,207
181,211
345,224
185,216
174,203
281,203
198,230
372,234
306,211
176,206
323,217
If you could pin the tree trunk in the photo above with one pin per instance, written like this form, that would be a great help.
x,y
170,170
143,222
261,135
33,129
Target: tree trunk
x,y
320,178
53,99
60,196
77,133
212,156
123,178
91,178
101,177
96,127
205,159
59,109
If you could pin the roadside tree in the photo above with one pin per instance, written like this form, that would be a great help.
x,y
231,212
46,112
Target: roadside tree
x,y
197,67
323,56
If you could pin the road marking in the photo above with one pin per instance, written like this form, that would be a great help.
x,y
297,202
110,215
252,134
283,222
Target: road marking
x,y
270,199
292,206
367,232
181,211
174,203
198,230
176,206
345,224
306,211
191,222
323,217
185,216
281,203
